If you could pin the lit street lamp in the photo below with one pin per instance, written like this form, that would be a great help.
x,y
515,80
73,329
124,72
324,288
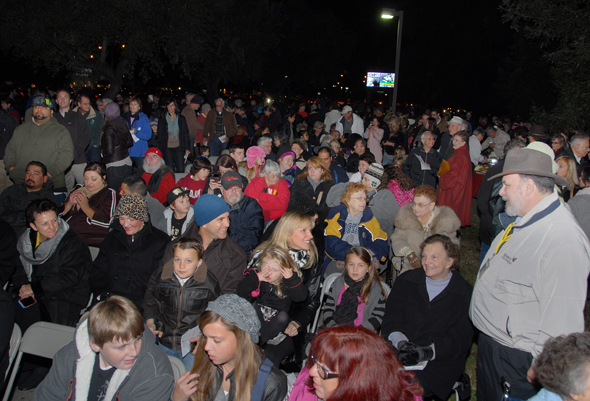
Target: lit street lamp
x,y
390,13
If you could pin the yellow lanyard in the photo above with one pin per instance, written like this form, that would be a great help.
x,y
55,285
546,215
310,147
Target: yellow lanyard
x,y
505,236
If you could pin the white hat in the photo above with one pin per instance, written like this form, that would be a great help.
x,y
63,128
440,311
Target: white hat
x,y
346,109
456,120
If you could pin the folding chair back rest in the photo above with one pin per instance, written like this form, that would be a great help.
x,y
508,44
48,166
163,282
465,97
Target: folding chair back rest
x,y
178,367
15,340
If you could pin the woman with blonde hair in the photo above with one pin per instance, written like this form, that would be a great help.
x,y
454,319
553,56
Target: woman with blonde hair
x,y
566,168
293,232
230,329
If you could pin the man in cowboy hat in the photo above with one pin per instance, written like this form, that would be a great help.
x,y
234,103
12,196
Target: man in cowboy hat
x,y
531,285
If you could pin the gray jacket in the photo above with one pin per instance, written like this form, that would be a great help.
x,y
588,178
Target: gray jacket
x,y
373,312
150,378
535,286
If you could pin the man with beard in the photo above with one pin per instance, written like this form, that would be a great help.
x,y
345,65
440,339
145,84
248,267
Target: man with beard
x,y
245,215
157,175
531,285
42,139
15,199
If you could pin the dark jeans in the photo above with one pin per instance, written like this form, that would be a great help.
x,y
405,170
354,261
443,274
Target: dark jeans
x,y
497,363
137,162
93,154
216,146
116,175
174,158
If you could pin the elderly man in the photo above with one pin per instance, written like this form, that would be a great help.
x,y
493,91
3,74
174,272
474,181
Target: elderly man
x,y
423,162
350,123
76,125
44,140
245,216
15,199
94,122
225,259
220,125
456,124
579,147
496,140
265,143
532,284
156,174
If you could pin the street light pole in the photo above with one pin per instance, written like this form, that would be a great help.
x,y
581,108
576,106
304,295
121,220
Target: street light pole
x,y
389,14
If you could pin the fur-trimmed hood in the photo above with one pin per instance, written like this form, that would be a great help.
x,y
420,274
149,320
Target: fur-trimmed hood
x,y
445,220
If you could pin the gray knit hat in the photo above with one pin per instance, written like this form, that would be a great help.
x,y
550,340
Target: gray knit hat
x,y
238,311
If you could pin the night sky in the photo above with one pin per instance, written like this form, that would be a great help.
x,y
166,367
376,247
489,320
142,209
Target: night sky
x,y
450,57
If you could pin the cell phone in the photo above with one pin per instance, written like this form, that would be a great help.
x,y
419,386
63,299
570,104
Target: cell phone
x,y
27,302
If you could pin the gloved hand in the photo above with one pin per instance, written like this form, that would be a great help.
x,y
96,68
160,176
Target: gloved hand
x,y
414,261
412,354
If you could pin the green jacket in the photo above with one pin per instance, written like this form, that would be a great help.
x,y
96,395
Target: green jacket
x,y
49,144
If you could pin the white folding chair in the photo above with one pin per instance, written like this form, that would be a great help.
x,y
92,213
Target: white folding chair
x,y
328,281
178,367
15,340
42,339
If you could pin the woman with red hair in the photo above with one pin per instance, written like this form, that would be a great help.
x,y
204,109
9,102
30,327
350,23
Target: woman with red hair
x,y
353,363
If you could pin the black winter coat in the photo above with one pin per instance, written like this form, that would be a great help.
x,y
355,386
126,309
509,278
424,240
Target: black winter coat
x,y
124,267
176,309
61,283
443,321
302,193
412,167
246,223
15,199
183,135
116,141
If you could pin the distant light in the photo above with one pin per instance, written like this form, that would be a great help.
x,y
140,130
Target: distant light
x,y
99,47
341,75
91,56
387,13
268,100
179,88
123,46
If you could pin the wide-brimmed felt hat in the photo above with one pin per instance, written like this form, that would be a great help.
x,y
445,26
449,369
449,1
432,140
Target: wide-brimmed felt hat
x,y
530,162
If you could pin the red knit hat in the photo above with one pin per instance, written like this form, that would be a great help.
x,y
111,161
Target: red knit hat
x,y
156,151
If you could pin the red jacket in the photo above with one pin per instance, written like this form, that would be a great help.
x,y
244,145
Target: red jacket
x,y
455,186
273,200
168,183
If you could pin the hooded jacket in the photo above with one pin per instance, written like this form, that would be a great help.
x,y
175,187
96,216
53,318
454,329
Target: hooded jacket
x,y
246,223
115,141
150,378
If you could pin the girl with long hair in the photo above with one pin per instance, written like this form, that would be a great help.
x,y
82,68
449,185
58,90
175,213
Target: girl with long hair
x,y
357,297
230,332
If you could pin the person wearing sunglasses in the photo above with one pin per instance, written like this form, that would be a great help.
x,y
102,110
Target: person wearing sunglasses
x,y
353,363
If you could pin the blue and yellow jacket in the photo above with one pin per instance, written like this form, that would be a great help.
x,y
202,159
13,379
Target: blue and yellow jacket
x,y
371,236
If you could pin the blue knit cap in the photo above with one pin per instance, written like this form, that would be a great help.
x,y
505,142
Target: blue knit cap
x,y
209,207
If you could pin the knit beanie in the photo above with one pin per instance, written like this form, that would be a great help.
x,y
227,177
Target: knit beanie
x,y
253,153
238,311
209,207
112,110
374,173
134,206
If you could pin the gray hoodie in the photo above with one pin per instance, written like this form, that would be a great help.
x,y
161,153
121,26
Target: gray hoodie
x,y
150,378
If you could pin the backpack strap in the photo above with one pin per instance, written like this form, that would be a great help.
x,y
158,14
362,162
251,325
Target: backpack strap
x,y
260,385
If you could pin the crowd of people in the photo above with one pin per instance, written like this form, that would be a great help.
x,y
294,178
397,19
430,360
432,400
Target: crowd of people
x,y
172,222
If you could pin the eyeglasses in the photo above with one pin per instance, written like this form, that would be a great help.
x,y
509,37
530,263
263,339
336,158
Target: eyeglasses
x,y
359,198
324,373
421,205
